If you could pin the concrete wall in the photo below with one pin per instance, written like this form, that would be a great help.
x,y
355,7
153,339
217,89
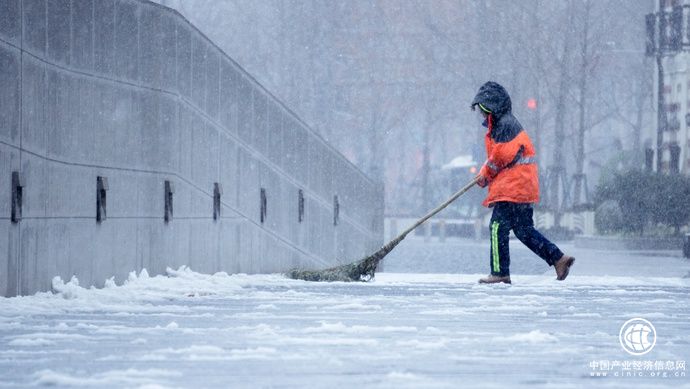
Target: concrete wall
x,y
131,91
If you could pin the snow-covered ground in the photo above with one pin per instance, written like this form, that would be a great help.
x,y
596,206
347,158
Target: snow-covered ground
x,y
405,329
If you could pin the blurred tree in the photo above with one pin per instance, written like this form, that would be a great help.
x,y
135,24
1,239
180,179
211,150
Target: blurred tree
x,y
376,78
672,194
608,217
644,198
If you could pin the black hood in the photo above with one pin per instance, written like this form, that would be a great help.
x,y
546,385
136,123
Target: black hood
x,y
494,97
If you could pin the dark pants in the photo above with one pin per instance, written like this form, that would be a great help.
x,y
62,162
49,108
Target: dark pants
x,y
517,217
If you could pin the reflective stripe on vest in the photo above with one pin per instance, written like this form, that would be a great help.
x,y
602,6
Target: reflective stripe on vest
x,y
526,160
519,161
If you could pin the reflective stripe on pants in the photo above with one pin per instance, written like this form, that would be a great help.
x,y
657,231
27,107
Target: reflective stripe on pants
x,y
495,258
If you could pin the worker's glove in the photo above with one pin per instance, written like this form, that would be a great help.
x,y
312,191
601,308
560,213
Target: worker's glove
x,y
482,181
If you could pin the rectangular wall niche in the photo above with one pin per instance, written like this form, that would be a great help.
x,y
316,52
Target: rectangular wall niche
x,y
264,205
101,204
169,189
17,196
217,192
300,206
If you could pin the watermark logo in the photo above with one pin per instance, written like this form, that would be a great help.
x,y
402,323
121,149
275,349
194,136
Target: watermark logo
x,y
637,336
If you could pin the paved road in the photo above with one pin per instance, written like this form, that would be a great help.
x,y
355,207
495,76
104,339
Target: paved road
x,y
467,256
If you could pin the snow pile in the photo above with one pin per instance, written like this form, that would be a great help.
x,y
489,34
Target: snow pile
x,y
416,344
112,378
535,336
141,288
70,289
30,342
341,328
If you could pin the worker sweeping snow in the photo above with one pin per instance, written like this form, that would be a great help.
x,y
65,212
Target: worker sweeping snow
x,y
510,173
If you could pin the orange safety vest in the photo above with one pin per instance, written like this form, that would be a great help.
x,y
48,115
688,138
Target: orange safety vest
x,y
511,169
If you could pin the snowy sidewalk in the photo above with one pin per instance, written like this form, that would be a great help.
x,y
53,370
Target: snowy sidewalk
x,y
403,330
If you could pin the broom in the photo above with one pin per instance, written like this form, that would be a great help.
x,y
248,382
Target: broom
x,y
364,269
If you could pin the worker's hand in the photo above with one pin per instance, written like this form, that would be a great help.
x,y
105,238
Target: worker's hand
x,y
482,181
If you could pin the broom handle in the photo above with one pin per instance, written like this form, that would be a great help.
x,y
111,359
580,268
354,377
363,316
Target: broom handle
x,y
439,208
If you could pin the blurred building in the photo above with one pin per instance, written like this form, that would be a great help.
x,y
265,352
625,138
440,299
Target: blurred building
x,y
668,41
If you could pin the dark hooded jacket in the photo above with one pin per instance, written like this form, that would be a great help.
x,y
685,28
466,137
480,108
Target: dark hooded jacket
x,y
510,169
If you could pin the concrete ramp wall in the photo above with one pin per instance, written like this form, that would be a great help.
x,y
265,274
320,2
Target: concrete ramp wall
x,y
131,92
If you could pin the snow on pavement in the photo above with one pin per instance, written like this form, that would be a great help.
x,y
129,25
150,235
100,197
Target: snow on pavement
x,y
186,329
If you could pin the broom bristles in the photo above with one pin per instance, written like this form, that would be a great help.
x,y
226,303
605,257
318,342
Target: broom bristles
x,y
362,270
